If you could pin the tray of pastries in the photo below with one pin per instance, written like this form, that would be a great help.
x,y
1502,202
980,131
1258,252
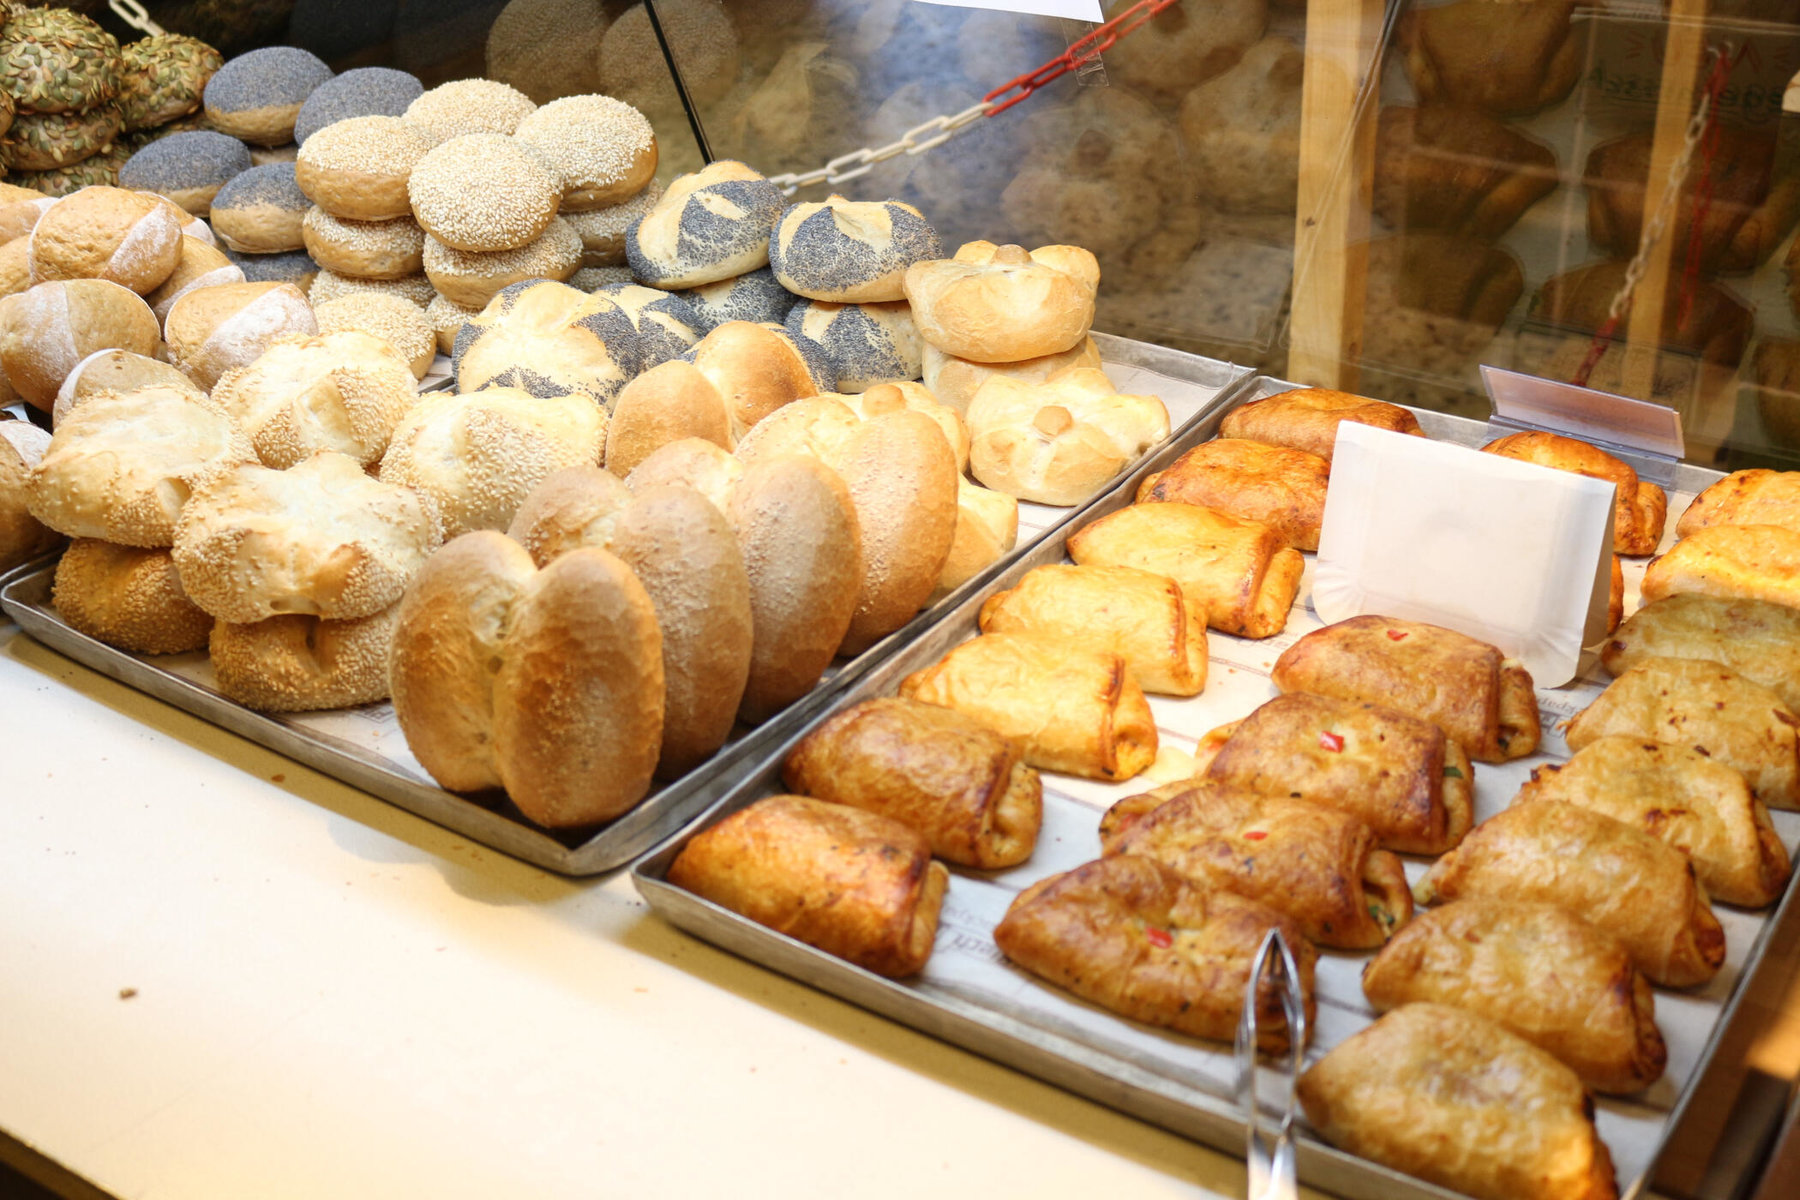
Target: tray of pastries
x,y
1056,826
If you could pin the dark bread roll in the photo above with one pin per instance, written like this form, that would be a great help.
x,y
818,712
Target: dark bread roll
x,y
1717,331
1506,57
1457,170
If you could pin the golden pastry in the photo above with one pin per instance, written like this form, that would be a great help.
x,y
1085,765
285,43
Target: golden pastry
x,y
1639,508
1757,639
1755,497
1308,419
1281,487
1749,562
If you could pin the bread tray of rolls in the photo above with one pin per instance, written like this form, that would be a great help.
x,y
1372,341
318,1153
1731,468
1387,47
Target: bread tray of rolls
x,y
1092,924
365,746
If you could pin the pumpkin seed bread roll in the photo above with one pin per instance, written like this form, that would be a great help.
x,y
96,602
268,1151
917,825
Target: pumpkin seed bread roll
x,y
603,148
129,597
189,168
256,97
360,169
393,249
850,252
484,192
53,141
711,225
470,106
56,60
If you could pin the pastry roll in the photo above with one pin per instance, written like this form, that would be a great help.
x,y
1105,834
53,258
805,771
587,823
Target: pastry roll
x,y
1639,508
1757,639
1073,709
1755,497
963,786
1320,866
1142,617
1621,879
1748,562
1237,572
1541,971
1461,685
1681,796
1135,937
1694,703
1453,1098
1281,487
851,883
1308,419
1413,786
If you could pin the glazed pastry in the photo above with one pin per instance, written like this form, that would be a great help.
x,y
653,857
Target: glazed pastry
x,y
1237,572
851,883
1074,709
1461,685
1412,785
1542,972
1281,487
1755,497
1137,615
963,786
1677,795
1318,865
1453,1098
1639,508
1757,639
1308,419
1618,878
1751,562
1135,937
1691,702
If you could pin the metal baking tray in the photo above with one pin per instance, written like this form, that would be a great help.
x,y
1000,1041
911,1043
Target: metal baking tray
x,y
969,995
364,747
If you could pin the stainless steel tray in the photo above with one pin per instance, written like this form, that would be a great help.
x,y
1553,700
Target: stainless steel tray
x,y
363,746
970,996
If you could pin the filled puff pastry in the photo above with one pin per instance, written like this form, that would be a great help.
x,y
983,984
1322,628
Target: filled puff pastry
x,y
1142,617
1413,786
1543,972
1758,640
1618,878
1279,486
851,883
1072,709
1677,795
1455,1099
1308,419
1691,702
1238,573
1749,562
1639,507
963,786
1320,866
1135,937
1754,497
1461,685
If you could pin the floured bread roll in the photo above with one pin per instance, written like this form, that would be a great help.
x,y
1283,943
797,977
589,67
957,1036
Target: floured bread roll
x,y
343,392
1278,486
479,454
1639,508
22,536
201,265
850,252
321,539
296,663
1755,497
122,464
1308,419
547,339
53,326
954,381
866,344
707,226
211,330
1747,562
117,371
126,237
129,597
1060,441
1000,304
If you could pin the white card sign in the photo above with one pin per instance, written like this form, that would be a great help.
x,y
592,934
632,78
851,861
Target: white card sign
x,y
1079,10
1510,552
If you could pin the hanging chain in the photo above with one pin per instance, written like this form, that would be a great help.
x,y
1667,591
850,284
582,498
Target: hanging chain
x,y
939,130
135,15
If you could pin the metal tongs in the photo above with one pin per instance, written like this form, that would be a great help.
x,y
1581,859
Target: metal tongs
x,y
1271,1159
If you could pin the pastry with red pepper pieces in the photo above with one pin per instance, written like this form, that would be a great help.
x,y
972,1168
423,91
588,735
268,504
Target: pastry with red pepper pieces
x,y
1135,937
1465,687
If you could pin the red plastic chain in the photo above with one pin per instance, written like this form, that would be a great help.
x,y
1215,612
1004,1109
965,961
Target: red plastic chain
x,y
1703,188
1084,50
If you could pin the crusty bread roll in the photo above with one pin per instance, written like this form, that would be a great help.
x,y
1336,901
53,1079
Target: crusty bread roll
x,y
665,322
987,527
53,326
1060,441
548,339
129,597
850,252
691,463
129,238
117,371
320,538
665,404
201,265
22,536
571,508
20,211
343,392
954,381
1000,304
708,226
864,344
296,663
479,455
755,369
122,464
396,322
211,330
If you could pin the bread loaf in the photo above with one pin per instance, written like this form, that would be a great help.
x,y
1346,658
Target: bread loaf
x,y
708,226
343,392
850,252
1000,304
211,330
1059,441
53,326
129,597
299,663
129,238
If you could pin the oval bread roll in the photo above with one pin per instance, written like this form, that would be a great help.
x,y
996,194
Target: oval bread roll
x,y
129,597
670,401
755,369
211,330
693,463
53,326
126,237
574,507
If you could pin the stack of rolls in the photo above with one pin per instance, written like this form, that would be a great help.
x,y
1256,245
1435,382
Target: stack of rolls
x,y
60,77
360,229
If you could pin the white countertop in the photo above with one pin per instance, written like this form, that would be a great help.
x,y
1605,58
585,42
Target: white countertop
x,y
224,975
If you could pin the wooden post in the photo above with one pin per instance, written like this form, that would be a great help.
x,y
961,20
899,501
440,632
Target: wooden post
x,y
1331,228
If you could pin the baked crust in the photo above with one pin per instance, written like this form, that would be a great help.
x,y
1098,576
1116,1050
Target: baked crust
x,y
299,664
933,769
1135,937
1308,419
1751,562
1060,441
854,884
1754,497
1461,685
1639,508
1282,487
1001,304
127,596
1756,638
